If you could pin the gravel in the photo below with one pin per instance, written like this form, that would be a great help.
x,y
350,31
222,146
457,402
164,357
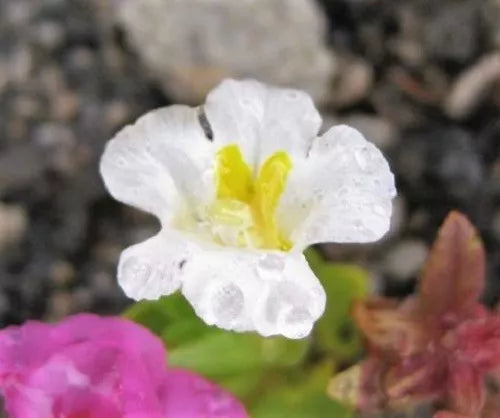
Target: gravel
x,y
418,77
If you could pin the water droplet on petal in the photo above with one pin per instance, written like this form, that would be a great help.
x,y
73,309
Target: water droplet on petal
x,y
343,191
135,269
319,193
207,176
361,158
296,323
245,102
379,210
270,266
227,304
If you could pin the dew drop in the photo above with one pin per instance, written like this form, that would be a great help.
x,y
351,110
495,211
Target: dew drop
x,y
342,192
344,203
362,157
319,193
246,102
207,176
270,266
227,303
136,270
297,323
379,210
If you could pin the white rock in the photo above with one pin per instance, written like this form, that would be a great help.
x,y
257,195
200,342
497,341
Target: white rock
x,y
13,223
472,86
406,259
190,45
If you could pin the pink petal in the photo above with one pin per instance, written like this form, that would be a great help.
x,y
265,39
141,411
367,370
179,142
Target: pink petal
x,y
109,365
89,366
187,395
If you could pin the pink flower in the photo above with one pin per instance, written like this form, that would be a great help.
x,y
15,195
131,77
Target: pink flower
x,y
93,367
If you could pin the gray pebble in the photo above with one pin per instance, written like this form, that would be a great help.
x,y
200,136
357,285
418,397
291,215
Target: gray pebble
x,y
190,45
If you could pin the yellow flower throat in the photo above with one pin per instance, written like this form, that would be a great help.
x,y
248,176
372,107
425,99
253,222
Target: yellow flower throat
x,y
246,205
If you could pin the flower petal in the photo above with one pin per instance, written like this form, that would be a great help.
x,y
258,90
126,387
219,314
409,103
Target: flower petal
x,y
86,363
261,119
186,394
158,161
270,292
341,192
155,267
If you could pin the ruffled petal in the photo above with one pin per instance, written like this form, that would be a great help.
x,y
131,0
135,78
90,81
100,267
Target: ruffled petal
x,y
85,364
342,192
261,119
271,292
155,267
160,162
186,394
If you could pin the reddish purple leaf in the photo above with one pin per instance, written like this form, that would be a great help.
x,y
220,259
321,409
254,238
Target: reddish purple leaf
x,y
466,390
387,327
480,342
453,277
416,378
449,414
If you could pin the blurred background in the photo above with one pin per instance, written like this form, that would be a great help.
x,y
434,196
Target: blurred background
x,y
420,78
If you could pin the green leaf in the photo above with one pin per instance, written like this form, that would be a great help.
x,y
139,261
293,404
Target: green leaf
x,y
172,318
243,385
303,399
183,331
149,314
335,332
220,353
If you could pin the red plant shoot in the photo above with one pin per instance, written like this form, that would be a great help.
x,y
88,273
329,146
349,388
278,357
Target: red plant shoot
x,y
440,345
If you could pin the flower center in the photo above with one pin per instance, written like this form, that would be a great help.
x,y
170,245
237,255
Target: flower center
x,y
243,213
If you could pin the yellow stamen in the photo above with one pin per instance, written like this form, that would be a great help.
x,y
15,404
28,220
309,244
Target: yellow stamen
x,y
268,188
237,189
234,176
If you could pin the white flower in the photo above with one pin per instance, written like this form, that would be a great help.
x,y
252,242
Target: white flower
x,y
241,187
